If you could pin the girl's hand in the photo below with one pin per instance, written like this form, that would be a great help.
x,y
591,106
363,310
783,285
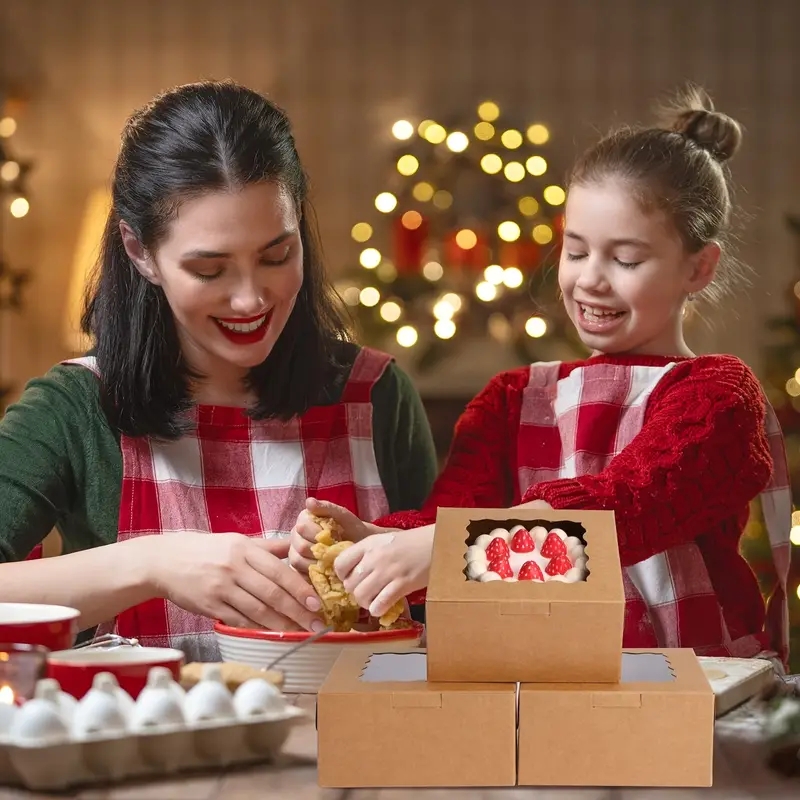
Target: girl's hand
x,y
305,530
385,568
240,580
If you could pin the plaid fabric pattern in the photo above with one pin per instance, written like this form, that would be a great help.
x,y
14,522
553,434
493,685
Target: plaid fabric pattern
x,y
575,426
235,474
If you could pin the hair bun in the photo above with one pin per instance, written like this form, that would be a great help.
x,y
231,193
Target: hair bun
x,y
692,114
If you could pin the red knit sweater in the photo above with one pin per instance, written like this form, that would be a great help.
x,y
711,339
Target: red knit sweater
x,y
689,475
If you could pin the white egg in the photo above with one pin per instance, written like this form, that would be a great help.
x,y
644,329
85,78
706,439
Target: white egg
x,y
50,689
210,699
38,722
100,711
257,696
490,576
158,705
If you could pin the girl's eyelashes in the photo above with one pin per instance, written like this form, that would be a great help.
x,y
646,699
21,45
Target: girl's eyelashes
x,y
625,264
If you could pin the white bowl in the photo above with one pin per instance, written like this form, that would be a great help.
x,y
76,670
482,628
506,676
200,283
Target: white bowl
x,y
305,670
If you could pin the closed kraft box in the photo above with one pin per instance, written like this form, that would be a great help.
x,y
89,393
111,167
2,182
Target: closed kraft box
x,y
655,728
504,632
381,724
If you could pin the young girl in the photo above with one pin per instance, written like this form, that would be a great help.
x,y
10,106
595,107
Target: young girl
x,y
221,393
677,445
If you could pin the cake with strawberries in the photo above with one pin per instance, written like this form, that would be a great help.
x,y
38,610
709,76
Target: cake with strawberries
x,y
520,554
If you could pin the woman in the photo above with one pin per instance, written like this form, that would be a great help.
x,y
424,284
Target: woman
x,y
222,392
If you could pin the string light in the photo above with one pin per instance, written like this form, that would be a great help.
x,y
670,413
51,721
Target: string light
x,y
443,310
794,535
423,126
432,271
491,163
386,202
361,232
536,327
457,142
488,111
486,291
453,299
350,295
402,129
370,258
513,277
407,336
514,171
442,199
466,239
391,311
484,131
444,328
511,139
411,220
435,133
407,165
19,207
508,231
554,195
536,165
8,127
422,191
537,134
542,234
369,296
386,271
494,274
9,171
528,206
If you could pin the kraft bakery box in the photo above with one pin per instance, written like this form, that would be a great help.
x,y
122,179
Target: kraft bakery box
x,y
381,724
488,626
655,728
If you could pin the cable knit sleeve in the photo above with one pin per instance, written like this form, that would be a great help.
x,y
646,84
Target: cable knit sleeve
x,y
480,466
702,449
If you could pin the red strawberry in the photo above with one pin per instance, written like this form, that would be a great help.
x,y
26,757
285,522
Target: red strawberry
x,y
521,542
497,548
553,546
530,571
502,567
558,565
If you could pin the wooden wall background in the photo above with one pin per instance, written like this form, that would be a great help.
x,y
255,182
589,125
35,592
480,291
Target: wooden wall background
x,y
346,69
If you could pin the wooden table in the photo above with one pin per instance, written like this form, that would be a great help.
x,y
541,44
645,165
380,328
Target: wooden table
x,y
739,774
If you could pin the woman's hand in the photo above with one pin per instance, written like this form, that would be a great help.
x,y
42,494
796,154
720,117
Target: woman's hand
x,y
305,530
240,580
385,568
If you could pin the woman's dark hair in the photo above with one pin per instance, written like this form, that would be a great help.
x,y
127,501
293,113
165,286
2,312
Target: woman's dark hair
x,y
678,168
191,140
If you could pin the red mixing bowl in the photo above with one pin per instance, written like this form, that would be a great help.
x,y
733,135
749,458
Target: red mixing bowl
x,y
53,627
75,669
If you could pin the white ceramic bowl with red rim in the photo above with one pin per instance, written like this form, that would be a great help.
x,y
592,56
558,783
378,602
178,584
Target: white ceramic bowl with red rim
x,y
305,670
75,669
53,627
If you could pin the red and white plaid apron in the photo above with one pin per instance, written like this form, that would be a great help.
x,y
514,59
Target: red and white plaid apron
x,y
575,426
235,474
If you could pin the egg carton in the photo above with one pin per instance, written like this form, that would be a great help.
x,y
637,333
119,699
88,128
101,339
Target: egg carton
x,y
55,742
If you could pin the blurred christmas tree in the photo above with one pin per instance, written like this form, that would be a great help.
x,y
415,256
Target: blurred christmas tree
x,y
462,244
14,204
782,385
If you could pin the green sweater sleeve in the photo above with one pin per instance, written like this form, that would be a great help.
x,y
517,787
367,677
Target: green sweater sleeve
x,y
403,441
51,442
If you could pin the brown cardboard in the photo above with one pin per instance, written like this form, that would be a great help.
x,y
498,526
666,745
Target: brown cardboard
x,y
411,733
524,631
635,733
